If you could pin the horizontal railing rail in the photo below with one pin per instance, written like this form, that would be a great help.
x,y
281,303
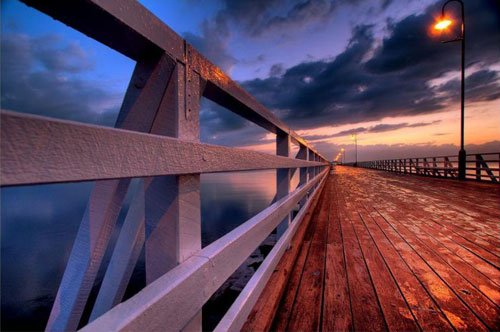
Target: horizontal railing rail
x,y
118,154
479,166
156,138
203,273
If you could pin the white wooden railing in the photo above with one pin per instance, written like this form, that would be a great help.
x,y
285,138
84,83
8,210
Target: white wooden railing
x,y
156,139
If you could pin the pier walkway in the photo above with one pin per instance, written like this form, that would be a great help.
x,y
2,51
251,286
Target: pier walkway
x,y
357,249
391,252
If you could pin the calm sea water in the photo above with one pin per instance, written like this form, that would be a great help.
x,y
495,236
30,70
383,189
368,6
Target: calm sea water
x,y
39,224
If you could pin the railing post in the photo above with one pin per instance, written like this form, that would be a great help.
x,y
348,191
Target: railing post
x,y
172,209
303,154
478,167
282,175
311,169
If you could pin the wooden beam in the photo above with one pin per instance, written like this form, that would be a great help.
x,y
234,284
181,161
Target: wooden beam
x,y
283,176
119,24
125,255
37,150
235,317
163,302
107,196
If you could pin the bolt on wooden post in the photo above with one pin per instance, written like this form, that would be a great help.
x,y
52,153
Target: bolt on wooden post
x,y
173,216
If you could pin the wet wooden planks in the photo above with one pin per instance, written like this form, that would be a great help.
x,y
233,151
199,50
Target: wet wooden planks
x,y
396,252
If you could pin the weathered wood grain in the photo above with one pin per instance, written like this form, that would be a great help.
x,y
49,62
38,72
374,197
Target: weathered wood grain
x,y
306,312
120,25
68,151
117,24
124,258
337,313
401,263
283,176
163,302
264,311
106,197
237,314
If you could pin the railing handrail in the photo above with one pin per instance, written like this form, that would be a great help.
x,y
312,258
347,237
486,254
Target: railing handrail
x,y
134,39
440,168
56,162
429,157
156,139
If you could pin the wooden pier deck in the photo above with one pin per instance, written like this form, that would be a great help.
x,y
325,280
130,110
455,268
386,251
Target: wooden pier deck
x,y
390,252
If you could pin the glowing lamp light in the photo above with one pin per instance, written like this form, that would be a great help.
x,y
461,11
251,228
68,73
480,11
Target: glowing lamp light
x,y
443,24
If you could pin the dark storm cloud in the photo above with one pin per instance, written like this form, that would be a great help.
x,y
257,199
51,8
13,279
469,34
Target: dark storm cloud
x,y
258,18
395,79
39,76
276,70
213,45
380,128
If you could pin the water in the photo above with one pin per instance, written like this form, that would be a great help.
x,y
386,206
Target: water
x,y
39,225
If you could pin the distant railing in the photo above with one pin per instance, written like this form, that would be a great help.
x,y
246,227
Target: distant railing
x,y
479,167
156,139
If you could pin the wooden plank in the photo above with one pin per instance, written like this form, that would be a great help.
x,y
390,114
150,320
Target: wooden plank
x,y
162,303
227,93
455,255
125,255
286,306
237,314
422,218
264,311
394,307
483,307
366,312
287,303
428,315
306,312
118,24
337,314
455,310
283,310
106,197
108,153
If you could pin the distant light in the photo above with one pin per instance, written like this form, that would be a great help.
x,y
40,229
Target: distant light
x,y
443,24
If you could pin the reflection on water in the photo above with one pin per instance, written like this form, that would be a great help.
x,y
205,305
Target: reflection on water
x,y
39,225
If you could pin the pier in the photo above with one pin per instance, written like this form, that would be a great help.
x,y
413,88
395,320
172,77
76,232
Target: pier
x,y
390,252
388,245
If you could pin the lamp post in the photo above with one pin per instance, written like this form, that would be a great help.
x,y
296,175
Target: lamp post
x,y
443,24
342,152
355,138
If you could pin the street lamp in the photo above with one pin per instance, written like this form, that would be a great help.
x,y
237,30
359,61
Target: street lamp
x,y
355,138
443,24
342,152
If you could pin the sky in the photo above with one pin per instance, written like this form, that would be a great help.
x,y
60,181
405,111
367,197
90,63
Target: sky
x,y
328,69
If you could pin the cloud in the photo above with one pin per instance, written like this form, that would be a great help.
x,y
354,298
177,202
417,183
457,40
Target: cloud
x,y
380,128
363,84
213,44
40,76
259,18
390,151
276,70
